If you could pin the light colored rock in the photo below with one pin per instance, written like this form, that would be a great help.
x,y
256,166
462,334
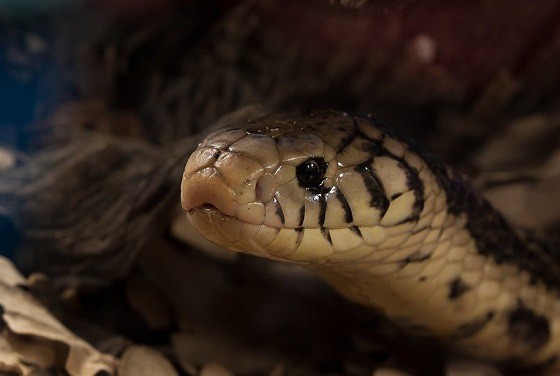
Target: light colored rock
x,y
385,371
7,159
193,350
215,369
144,361
469,368
33,330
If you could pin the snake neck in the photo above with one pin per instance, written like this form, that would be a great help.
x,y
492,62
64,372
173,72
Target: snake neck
x,y
465,275
531,253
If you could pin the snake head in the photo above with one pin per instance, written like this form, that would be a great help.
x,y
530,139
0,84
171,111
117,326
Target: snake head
x,y
316,187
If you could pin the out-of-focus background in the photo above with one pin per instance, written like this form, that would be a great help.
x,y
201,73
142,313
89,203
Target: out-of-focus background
x,y
101,102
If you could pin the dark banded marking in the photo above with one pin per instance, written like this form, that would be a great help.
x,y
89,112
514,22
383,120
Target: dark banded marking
x,y
375,148
378,199
326,235
301,215
373,141
385,127
416,256
367,166
473,327
356,230
494,235
299,231
279,211
322,209
396,195
528,328
412,218
348,217
372,147
458,287
276,232
416,231
350,138
413,181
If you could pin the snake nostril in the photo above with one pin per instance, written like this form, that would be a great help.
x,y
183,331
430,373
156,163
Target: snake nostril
x,y
265,188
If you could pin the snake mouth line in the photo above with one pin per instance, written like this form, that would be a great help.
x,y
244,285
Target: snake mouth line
x,y
211,211
222,228
209,208
206,206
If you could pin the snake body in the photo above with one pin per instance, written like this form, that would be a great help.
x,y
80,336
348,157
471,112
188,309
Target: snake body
x,y
384,223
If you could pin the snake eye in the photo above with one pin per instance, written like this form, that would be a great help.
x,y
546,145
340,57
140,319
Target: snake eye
x,y
310,173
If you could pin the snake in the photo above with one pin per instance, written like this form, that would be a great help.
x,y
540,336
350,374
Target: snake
x,y
384,222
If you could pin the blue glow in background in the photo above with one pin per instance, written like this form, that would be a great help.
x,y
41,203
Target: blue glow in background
x,y
28,80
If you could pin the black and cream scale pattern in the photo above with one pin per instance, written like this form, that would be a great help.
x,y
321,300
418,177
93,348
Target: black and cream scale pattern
x,y
386,224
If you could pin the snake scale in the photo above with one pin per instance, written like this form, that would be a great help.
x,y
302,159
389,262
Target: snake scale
x,y
386,224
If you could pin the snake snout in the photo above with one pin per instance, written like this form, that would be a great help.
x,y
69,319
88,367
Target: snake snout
x,y
224,181
205,188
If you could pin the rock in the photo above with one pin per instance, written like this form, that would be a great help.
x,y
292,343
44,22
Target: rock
x,y
389,372
215,369
7,159
469,368
141,360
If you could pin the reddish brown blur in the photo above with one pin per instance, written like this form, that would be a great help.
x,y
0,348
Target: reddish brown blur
x,y
472,39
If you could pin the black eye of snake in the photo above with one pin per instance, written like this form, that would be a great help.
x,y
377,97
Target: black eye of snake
x,y
310,173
